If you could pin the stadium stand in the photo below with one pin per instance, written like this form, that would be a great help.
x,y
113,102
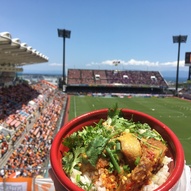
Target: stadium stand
x,y
21,106
106,81
29,119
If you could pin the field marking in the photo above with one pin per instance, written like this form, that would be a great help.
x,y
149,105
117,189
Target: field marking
x,y
167,113
74,106
184,108
185,139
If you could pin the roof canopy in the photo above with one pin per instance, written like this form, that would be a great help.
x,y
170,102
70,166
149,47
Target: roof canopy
x,y
13,54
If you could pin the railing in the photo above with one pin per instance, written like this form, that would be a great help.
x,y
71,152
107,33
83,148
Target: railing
x,y
37,183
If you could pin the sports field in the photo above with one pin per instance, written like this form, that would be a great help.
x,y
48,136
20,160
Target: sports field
x,y
174,112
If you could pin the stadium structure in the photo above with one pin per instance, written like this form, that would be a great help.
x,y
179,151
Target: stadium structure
x,y
115,81
31,114
13,55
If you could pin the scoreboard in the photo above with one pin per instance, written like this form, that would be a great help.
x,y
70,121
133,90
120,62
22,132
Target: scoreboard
x,y
188,59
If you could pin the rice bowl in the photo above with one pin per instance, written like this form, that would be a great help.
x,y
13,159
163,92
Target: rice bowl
x,y
175,154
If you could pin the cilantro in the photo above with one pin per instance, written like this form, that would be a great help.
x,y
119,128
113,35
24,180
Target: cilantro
x,y
95,148
72,141
114,111
71,159
137,160
90,142
120,123
126,168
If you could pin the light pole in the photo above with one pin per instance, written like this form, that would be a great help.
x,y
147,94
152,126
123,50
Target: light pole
x,y
178,39
64,34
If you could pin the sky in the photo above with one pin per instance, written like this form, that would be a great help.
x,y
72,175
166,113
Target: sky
x,y
136,33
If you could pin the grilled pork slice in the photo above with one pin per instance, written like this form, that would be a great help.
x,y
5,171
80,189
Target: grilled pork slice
x,y
153,152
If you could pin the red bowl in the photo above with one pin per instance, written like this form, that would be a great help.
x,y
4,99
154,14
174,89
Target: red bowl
x,y
175,148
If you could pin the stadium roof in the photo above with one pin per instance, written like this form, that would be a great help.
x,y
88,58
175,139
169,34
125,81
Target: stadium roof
x,y
14,54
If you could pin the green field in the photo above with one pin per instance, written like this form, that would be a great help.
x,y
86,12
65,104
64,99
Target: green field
x,y
174,112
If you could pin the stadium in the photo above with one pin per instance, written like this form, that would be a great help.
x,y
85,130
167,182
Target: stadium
x,y
32,113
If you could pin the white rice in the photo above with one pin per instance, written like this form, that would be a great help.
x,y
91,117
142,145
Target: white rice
x,y
157,180
161,176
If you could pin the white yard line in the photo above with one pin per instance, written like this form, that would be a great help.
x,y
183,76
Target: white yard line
x,y
74,106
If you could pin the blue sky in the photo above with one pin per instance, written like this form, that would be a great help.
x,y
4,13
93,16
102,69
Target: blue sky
x,y
138,33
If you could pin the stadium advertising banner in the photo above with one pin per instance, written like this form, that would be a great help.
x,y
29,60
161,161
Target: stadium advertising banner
x,y
188,59
44,184
26,184
16,184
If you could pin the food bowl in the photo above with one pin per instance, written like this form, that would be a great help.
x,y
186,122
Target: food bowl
x,y
175,148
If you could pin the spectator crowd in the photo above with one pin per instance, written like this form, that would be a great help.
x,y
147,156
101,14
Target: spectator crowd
x,y
108,77
29,116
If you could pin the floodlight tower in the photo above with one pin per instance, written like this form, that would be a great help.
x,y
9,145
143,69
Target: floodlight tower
x,y
178,39
64,34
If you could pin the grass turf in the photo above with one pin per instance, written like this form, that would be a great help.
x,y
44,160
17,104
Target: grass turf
x,y
175,113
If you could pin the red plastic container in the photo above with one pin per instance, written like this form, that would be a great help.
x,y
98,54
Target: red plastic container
x,y
175,148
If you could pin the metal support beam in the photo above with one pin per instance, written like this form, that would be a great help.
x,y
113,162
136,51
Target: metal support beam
x,y
64,34
178,39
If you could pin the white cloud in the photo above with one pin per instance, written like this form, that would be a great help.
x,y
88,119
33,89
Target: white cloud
x,y
94,64
174,64
55,64
141,64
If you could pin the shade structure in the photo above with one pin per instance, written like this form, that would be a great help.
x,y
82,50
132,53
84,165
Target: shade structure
x,y
14,54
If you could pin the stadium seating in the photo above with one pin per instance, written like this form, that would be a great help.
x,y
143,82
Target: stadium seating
x,y
28,124
107,77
